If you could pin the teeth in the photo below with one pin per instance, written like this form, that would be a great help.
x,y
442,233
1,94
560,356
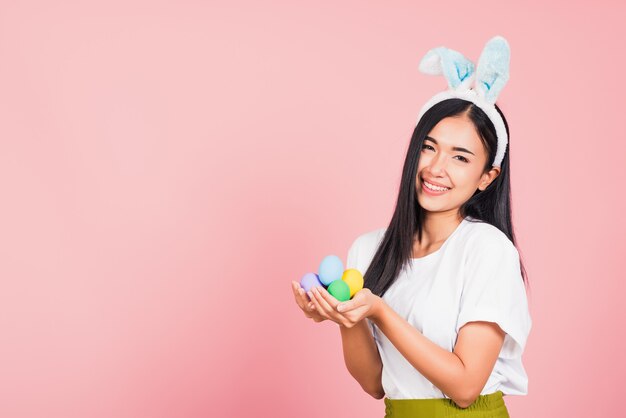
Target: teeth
x,y
433,187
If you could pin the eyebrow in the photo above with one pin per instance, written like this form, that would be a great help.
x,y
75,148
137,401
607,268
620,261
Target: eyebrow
x,y
453,148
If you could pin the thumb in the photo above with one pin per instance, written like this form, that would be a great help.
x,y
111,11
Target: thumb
x,y
348,305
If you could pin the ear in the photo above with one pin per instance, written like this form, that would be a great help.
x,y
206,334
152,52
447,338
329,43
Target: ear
x,y
458,70
492,71
488,178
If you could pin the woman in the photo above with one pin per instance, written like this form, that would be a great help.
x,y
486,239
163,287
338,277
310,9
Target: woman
x,y
442,321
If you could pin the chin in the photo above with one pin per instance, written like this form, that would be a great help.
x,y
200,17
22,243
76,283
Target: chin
x,y
431,206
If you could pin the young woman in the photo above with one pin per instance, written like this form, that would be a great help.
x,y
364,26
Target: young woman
x,y
442,321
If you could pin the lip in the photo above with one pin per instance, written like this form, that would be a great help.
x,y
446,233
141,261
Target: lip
x,y
433,192
435,183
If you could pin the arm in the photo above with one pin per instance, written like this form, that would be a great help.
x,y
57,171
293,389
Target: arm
x,y
362,358
462,374
360,352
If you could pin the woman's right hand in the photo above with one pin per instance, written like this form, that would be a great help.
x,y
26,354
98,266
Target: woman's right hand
x,y
304,303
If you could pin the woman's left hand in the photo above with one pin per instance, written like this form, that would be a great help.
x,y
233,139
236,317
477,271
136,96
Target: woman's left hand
x,y
364,304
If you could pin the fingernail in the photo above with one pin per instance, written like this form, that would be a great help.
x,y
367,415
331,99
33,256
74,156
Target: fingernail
x,y
339,308
310,294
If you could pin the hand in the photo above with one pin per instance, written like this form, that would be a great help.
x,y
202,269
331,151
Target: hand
x,y
307,306
363,304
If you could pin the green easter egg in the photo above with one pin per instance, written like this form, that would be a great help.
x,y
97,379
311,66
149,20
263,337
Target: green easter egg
x,y
340,290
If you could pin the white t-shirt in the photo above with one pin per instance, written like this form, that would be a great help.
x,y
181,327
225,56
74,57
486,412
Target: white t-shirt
x,y
474,276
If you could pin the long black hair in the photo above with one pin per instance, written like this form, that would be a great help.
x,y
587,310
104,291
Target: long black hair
x,y
493,205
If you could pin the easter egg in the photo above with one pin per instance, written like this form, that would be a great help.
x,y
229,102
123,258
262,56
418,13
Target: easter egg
x,y
310,280
340,290
354,279
331,269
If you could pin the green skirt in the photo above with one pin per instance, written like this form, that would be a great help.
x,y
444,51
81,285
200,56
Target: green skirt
x,y
485,406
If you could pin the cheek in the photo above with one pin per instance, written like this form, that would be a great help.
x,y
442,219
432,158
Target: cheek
x,y
470,181
465,179
423,162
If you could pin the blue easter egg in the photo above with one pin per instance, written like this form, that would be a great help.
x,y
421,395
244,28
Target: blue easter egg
x,y
331,269
310,280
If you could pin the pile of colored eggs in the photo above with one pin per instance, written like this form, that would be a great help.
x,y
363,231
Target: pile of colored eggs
x,y
340,283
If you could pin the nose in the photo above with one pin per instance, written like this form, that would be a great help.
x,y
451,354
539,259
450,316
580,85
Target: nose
x,y
438,164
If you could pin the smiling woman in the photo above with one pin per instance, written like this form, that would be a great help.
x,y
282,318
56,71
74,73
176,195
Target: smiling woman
x,y
442,321
447,166
454,317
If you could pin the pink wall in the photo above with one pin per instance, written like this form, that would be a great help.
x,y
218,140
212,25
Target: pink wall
x,y
167,168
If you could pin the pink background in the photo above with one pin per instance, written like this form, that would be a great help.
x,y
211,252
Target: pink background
x,y
168,167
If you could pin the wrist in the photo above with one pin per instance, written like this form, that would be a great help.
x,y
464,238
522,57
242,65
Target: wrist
x,y
378,310
356,325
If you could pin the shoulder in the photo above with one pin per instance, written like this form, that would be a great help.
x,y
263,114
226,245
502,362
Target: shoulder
x,y
483,237
364,247
371,237
490,257
369,240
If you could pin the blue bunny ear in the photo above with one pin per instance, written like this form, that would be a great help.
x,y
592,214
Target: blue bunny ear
x,y
457,69
492,71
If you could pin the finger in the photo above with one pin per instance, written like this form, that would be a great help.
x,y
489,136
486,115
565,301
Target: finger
x,y
306,300
322,300
358,299
296,291
299,292
328,300
332,313
302,299
318,307
307,305
347,306
295,287
335,303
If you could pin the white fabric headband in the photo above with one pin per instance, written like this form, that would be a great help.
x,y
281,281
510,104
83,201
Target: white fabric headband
x,y
480,87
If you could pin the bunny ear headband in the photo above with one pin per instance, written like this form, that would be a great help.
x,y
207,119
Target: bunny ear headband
x,y
480,87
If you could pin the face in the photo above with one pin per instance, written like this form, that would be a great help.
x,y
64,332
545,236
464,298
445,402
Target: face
x,y
452,156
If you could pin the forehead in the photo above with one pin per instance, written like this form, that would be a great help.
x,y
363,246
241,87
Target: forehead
x,y
457,131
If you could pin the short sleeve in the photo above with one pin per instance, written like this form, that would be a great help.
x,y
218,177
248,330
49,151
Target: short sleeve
x,y
352,262
493,291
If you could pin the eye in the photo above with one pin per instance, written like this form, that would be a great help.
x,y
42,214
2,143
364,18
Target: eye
x,y
465,160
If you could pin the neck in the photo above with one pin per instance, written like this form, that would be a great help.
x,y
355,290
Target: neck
x,y
439,225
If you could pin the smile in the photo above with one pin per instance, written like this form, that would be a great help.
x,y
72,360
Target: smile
x,y
432,189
